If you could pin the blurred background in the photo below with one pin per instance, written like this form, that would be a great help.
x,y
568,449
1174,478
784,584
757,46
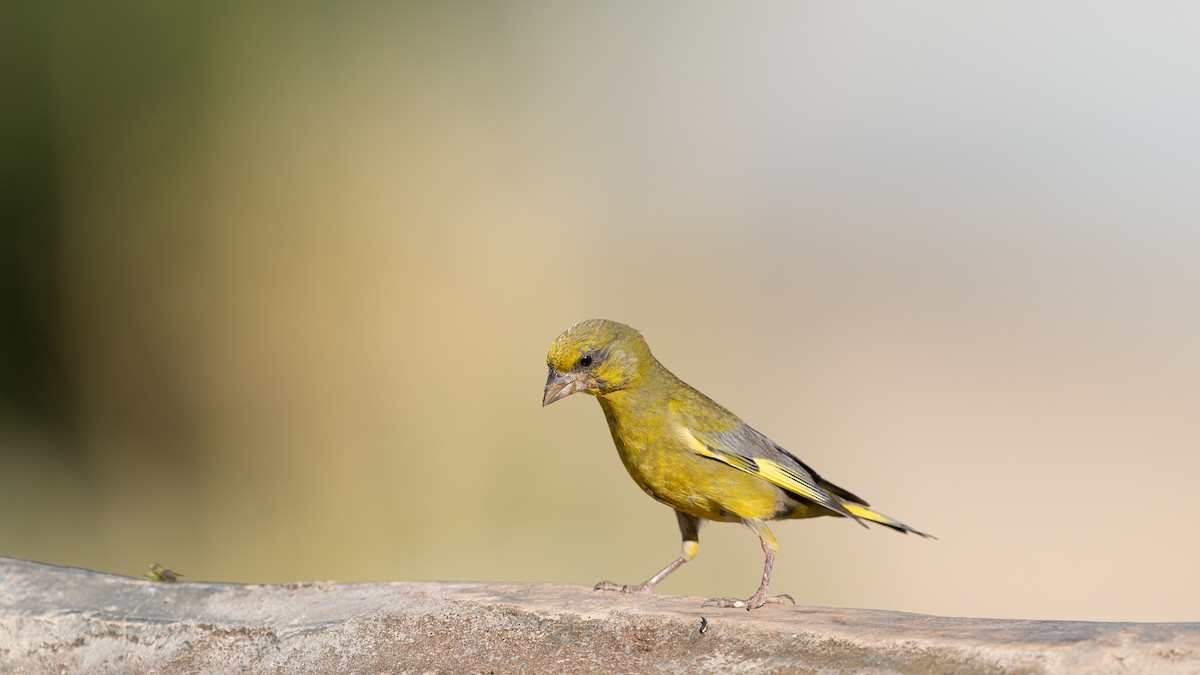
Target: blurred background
x,y
277,283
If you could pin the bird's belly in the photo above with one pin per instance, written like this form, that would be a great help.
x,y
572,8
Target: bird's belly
x,y
703,487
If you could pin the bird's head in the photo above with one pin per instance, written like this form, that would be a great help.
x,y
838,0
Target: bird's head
x,y
595,357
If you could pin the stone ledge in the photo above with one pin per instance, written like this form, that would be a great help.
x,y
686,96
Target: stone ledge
x,y
57,619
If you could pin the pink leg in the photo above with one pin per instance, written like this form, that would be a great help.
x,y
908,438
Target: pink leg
x,y
770,546
689,527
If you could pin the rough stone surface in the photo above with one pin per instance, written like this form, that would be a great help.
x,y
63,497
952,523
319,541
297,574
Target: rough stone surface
x,y
64,620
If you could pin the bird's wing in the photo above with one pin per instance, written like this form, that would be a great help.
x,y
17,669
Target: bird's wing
x,y
745,449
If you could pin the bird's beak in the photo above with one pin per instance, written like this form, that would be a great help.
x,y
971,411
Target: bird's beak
x,y
560,385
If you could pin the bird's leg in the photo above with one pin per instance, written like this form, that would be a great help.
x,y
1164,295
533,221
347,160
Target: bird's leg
x,y
770,547
689,528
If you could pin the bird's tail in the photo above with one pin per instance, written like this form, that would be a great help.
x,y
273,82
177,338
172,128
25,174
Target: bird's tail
x,y
863,512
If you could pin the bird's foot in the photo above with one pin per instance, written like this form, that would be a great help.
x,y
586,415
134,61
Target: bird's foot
x,y
753,602
644,589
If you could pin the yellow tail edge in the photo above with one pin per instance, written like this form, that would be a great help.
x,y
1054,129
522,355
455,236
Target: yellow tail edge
x,y
860,511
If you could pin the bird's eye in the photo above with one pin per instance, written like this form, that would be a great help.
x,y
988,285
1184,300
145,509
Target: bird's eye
x,y
585,360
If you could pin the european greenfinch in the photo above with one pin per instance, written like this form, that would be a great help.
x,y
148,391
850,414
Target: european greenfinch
x,y
690,453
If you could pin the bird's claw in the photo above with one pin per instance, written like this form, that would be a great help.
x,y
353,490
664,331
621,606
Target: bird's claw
x,y
724,602
621,588
753,602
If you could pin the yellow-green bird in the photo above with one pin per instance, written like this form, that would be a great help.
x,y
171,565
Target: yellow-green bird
x,y
690,453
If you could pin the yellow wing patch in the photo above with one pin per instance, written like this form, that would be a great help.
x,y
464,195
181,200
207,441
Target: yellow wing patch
x,y
791,481
771,472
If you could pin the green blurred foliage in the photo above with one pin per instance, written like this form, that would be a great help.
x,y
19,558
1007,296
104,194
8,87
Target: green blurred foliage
x,y
276,283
